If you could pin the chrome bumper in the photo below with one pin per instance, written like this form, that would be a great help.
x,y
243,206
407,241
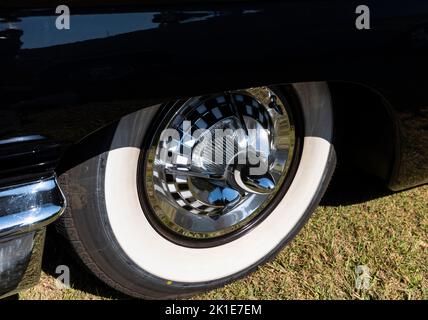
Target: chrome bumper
x,y
25,211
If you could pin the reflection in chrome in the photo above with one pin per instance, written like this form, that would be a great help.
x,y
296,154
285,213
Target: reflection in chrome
x,y
28,207
198,194
25,211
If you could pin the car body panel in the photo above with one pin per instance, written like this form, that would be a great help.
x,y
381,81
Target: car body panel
x,y
59,86
64,84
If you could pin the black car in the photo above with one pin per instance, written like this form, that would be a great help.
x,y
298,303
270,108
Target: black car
x,y
184,143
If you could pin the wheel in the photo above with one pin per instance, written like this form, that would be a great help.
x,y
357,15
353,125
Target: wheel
x,y
190,195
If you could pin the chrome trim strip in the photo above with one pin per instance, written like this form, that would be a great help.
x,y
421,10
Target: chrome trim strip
x,y
22,139
29,207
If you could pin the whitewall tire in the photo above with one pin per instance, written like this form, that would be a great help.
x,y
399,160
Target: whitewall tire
x,y
114,237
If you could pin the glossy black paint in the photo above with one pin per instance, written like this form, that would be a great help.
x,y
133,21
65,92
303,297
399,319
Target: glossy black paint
x,y
119,57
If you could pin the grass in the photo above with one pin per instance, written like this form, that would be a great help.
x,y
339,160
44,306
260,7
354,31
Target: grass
x,y
358,223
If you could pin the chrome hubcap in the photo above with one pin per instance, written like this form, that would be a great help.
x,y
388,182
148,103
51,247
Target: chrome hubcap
x,y
218,161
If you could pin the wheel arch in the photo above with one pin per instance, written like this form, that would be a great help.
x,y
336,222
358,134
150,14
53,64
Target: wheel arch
x,y
366,133
366,130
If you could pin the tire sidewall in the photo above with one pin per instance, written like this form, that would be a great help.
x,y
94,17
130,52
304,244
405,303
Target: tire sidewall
x,y
128,266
